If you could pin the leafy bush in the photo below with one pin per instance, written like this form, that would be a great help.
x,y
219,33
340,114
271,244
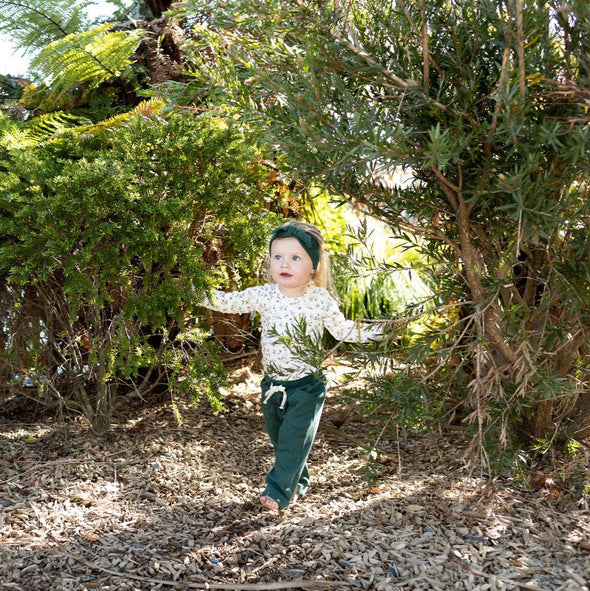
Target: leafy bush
x,y
102,239
486,114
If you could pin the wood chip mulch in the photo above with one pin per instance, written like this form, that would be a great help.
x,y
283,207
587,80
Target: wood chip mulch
x,y
161,505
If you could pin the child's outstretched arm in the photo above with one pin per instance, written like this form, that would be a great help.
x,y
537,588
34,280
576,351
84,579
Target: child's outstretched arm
x,y
233,302
350,331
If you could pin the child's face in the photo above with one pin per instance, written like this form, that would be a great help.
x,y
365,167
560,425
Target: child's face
x,y
290,266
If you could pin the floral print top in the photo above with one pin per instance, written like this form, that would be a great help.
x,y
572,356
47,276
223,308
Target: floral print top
x,y
285,318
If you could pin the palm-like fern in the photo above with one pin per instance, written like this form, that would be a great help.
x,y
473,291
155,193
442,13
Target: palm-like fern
x,y
72,63
147,108
91,57
34,24
39,129
68,53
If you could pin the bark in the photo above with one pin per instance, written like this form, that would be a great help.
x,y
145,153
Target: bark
x,y
473,264
542,418
158,7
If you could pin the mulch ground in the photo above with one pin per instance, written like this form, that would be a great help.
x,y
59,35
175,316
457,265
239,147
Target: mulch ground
x,y
161,505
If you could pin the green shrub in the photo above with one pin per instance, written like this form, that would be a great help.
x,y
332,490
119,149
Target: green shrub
x,y
103,238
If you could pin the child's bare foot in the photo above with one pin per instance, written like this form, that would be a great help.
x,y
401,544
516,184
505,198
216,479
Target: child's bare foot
x,y
268,502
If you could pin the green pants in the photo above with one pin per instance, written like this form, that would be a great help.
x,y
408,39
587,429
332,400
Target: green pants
x,y
292,411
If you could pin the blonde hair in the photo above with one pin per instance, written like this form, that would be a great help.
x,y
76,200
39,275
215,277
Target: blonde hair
x,y
322,276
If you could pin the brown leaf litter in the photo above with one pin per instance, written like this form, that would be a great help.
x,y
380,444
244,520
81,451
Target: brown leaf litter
x,y
158,505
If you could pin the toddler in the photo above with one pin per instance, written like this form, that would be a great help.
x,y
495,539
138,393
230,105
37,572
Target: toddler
x,y
295,299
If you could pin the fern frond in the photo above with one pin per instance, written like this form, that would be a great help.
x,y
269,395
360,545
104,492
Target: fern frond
x,y
49,125
39,130
34,24
91,57
147,108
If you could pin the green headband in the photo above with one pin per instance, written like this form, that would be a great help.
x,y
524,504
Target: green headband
x,y
307,241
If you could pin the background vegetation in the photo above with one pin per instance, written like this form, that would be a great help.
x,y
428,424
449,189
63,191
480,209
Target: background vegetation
x,y
482,105
149,153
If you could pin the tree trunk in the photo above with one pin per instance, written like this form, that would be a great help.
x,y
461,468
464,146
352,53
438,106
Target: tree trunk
x,y
158,7
542,419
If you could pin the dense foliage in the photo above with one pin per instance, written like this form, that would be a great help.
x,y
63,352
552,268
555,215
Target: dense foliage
x,y
483,106
103,240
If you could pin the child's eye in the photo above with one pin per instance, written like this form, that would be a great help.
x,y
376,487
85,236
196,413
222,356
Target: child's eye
x,y
296,257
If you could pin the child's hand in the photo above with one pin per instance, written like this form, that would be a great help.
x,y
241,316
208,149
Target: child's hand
x,y
375,332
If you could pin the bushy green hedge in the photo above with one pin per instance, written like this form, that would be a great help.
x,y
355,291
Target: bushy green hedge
x,y
102,239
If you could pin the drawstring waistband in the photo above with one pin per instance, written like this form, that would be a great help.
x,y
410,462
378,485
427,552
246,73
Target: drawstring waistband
x,y
273,389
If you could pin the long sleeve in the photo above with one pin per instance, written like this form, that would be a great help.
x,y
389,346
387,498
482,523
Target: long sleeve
x,y
235,302
350,331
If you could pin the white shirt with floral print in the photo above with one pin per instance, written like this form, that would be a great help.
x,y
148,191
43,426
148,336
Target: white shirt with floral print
x,y
282,316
